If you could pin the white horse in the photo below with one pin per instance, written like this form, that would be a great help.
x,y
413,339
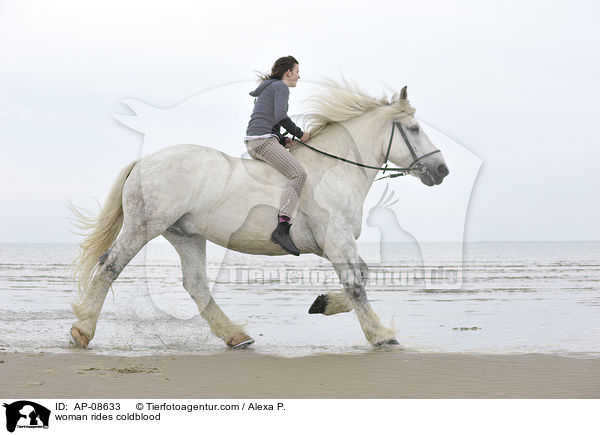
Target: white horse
x,y
190,194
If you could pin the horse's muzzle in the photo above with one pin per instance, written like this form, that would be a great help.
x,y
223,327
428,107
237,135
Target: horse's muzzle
x,y
433,177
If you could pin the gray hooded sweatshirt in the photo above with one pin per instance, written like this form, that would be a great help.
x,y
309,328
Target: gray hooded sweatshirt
x,y
270,110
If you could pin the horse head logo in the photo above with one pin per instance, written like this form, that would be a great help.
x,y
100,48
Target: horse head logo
x,y
26,413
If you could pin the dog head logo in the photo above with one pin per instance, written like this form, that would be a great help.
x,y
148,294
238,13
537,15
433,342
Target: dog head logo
x,y
26,414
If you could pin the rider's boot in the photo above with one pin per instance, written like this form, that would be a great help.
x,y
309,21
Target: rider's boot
x,y
281,236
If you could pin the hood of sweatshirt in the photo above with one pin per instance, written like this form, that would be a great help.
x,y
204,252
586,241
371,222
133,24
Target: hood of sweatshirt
x,y
261,87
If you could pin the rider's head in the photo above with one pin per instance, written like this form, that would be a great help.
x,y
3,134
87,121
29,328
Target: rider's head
x,y
285,69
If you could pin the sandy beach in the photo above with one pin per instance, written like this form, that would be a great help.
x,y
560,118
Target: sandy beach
x,y
82,374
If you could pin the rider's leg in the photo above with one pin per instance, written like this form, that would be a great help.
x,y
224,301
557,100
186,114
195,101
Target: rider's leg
x,y
269,150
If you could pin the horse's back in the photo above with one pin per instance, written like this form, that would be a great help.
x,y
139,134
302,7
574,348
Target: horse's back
x,y
220,194
202,161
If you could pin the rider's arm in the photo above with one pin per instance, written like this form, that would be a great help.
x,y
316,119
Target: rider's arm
x,y
290,127
281,94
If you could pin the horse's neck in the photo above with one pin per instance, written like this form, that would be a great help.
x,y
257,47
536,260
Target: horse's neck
x,y
359,140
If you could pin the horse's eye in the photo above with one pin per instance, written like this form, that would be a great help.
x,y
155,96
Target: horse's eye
x,y
413,128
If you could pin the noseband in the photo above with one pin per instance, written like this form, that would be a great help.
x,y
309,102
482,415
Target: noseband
x,y
416,164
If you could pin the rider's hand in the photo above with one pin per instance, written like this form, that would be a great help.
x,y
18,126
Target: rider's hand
x,y
287,141
305,137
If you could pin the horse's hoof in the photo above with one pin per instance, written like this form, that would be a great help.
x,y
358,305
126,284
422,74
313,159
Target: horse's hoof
x,y
240,341
243,345
390,342
319,305
79,339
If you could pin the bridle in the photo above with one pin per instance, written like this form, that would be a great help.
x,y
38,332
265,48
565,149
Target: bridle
x,y
416,165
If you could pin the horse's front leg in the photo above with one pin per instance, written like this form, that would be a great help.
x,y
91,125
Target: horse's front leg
x,y
343,254
331,303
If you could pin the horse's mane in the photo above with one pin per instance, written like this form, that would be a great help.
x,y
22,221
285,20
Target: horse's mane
x,y
345,100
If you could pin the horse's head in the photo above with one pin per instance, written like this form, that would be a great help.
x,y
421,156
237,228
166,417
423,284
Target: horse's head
x,y
411,148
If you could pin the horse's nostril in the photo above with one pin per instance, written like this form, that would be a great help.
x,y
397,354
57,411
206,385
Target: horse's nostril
x,y
442,170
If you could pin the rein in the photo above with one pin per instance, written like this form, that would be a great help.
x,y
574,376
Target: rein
x,y
416,164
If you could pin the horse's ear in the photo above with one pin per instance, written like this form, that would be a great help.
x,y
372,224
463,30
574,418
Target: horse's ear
x,y
404,94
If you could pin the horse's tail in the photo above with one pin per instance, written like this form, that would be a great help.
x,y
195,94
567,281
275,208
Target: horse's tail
x,y
100,232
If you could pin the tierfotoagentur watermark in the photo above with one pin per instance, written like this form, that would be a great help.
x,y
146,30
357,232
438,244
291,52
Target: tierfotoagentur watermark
x,y
381,275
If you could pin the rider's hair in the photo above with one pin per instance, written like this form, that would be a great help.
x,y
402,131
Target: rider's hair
x,y
280,67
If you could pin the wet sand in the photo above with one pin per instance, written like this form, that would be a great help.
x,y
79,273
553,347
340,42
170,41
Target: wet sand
x,y
244,374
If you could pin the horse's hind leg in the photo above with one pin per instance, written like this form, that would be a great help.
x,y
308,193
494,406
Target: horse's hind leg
x,y
110,265
192,251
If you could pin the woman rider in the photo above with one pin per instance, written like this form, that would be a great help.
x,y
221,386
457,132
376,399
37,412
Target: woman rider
x,y
264,140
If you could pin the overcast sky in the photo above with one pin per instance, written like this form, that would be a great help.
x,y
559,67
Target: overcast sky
x,y
514,85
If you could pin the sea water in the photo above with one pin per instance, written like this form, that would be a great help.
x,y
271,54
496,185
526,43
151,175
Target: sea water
x,y
526,297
